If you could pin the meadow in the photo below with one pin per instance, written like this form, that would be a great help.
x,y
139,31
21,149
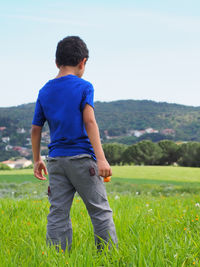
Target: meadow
x,y
155,209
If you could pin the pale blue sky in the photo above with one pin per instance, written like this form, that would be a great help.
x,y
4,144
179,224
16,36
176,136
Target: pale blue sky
x,y
138,49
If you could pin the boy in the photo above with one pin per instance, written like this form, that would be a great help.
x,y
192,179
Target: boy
x,y
76,158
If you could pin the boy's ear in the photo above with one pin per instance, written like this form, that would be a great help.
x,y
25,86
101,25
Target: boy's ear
x,y
57,64
82,63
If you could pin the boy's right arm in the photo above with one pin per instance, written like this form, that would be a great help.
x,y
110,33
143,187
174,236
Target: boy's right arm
x,y
39,165
93,134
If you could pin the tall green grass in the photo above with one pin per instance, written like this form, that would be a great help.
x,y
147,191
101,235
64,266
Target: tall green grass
x,y
156,213
152,231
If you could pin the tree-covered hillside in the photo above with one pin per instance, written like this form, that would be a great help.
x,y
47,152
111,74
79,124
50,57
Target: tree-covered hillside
x,y
123,121
20,116
118,117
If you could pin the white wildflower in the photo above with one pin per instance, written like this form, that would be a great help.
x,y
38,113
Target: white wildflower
x,y
35,192
116,197
197,205
150,210
147,205
137,193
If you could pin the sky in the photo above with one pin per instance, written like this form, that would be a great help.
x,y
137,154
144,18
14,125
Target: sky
x,y
139,49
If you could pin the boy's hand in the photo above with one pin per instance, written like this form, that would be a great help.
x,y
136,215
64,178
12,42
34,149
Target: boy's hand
x,y
38,167
104,168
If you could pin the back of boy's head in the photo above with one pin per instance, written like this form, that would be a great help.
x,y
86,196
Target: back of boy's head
x,y
71,51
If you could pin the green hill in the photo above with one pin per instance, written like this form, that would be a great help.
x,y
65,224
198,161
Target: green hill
x,y
120,116
117,121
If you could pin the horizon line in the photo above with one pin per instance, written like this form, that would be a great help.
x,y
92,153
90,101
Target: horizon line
x,y
111,101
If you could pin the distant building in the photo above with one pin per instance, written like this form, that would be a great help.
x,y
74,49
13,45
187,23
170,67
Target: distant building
x,y
151,131
2,128
23,151
136,133
168,132
5,139
139,133
8,147
9,163
21,131
17,148
17,164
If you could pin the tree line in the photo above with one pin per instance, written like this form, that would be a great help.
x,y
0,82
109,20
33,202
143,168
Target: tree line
x,y
165,152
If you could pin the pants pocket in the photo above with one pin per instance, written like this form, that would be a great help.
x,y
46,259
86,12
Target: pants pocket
x,y
50,159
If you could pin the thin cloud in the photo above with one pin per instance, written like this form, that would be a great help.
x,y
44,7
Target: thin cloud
x,y
185,23
48,20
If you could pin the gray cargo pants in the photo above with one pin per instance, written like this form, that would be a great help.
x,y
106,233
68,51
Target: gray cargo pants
x,y
66,176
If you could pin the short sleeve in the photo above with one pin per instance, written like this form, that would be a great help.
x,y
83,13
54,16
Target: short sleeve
x,y
88,97
38,118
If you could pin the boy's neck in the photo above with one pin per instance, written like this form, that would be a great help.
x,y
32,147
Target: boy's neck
x,y
67,70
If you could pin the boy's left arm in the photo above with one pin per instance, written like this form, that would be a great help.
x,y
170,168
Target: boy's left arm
x,y
94,136
39,165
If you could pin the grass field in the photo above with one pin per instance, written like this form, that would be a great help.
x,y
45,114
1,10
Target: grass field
x,y
156,212
151,180
145,173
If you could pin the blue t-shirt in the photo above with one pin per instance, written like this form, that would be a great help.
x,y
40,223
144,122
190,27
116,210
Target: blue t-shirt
x,y
61,102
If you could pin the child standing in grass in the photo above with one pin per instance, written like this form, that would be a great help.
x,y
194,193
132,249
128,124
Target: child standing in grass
x,y
76,159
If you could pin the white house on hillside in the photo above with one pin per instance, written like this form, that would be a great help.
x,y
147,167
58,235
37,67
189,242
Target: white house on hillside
x,y
17,164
